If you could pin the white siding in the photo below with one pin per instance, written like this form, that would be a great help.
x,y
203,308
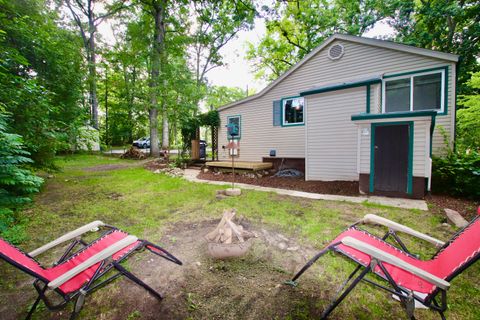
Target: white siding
x,y
421,146
259,135
365,148
332,136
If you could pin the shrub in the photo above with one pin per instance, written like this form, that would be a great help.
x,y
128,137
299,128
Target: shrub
x,y
458,174
17,182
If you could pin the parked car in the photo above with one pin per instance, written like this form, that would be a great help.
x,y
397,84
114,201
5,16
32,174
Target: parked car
x,y
142,143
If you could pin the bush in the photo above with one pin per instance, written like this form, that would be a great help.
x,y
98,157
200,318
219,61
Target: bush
x,y
457,174
17,182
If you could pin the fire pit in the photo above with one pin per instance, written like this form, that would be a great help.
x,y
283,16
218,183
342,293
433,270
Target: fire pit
x,y
228,239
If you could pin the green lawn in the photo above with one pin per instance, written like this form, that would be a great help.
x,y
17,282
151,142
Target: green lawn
x,y
148,204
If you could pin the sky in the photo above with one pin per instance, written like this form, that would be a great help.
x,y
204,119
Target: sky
x,y
237,71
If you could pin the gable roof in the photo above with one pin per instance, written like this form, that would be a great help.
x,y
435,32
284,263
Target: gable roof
x,y
362,40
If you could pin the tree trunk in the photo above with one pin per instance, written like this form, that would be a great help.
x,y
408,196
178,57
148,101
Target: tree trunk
x,y
92,69
153,115
158,10
106,107
165,127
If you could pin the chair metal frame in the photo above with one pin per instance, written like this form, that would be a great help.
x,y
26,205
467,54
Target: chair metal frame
x,y
99,278
436,300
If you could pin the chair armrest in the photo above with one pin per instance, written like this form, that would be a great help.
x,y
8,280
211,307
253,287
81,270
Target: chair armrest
x,y
66,237
102,255
374,219
391,259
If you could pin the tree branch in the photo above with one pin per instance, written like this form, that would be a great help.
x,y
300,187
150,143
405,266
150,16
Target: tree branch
x,y
79,23
82,8
285,35
115,10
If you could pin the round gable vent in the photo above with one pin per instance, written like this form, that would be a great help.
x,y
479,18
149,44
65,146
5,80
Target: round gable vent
x,y
335,52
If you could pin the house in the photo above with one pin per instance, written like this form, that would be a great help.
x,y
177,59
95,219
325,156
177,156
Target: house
x,y
354,109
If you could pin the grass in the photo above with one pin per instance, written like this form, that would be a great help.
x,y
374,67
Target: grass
x,y
146,204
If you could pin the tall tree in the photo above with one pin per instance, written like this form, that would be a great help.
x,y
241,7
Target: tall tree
x,y
295,28
87,19
217,23
40,77
158,10
445,25
218,96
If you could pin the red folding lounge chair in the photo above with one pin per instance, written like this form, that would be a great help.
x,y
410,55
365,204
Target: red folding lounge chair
x,y
79,272
410,278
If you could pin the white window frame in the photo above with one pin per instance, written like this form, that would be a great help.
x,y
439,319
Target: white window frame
x,y
411,77
284,103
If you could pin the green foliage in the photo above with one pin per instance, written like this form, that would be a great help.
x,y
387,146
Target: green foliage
x,y
209,119
217,23
468,117
443,25
17,182
218,96
40,78
457,174
295,28
190,125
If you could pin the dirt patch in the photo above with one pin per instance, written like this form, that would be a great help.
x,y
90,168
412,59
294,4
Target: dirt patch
x,y
250,287
106,167
467,208
156,164
204,288
114,195
346,188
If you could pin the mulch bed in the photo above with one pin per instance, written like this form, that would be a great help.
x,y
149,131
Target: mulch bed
x,y
156,164
346,188
466,207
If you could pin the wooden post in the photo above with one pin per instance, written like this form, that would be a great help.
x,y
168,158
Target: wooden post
x,y
233,166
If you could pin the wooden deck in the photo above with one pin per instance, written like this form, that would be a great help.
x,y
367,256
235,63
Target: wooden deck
x,y
245,165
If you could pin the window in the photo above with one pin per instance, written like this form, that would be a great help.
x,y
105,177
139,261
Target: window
x,y
397,95
422,91
234,130
293,111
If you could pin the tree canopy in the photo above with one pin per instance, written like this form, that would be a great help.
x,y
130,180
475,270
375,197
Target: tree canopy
x,y
295,28
41,77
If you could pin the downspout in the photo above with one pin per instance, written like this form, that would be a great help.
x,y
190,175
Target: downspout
x,y
432,128
457,65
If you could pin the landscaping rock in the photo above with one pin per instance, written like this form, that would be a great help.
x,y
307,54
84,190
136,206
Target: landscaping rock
x,y
250,175
455,218
173,172
233,192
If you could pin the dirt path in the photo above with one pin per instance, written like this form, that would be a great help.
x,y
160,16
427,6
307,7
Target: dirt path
x,y
108,167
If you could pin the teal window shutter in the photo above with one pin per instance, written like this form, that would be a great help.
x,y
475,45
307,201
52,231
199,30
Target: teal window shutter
x,y
277,113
